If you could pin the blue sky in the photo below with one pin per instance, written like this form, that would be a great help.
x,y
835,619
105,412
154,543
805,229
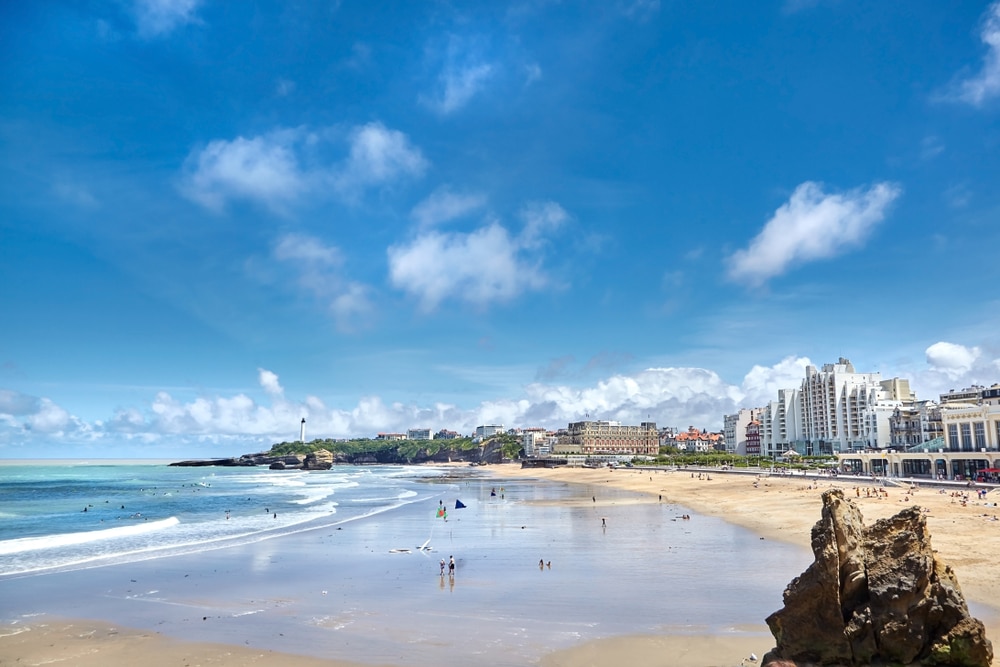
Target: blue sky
x,y
219,218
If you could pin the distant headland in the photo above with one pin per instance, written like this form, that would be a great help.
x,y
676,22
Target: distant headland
x,y
324,453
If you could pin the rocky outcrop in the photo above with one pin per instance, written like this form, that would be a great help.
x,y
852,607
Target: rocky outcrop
x,y
490,451
321,459
875,595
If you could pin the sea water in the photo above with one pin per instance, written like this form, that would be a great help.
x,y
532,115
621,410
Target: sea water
x,y
57,515
339,573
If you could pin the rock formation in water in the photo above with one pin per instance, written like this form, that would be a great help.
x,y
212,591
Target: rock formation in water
x,y
321,459
875,595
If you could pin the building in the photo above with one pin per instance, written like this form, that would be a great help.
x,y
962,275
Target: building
x,y
735,430
418,434
536,442
973,427
445,434
834,409
913,424
609,437
843,410
391,436
694,440
752,442
488,431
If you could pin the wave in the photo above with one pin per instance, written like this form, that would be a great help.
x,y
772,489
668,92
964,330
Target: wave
x,y
23,544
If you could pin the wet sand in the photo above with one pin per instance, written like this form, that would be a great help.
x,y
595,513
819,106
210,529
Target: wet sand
x,y
780,509
785,508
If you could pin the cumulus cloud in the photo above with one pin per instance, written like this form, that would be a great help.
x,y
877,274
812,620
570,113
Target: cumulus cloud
x,y
264,169
269,382
444,205
670,396
487,265
985,85
952,359
761,384
279,168
378,156
812,225
23,413
480,268
155,18
954,366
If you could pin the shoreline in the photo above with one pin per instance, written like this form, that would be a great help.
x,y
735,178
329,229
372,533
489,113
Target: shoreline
x,y
779,508
785,508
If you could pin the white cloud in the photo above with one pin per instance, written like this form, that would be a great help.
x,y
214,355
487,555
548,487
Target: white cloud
x,y
352,307
985,85
158,17
269,382
264,169
444,205
378,156
484,266
954,366
307,249
541,219
463,75
280,168
951,359
672,396
761,384
812,225
481,267
317,268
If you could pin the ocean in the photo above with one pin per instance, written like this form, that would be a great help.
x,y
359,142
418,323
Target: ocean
x,y
61,515
327,563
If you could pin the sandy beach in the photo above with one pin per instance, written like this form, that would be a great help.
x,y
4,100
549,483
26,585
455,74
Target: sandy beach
x,y
785,508
781,509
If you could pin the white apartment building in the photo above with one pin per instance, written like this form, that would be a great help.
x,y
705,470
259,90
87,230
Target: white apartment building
x,y
835,409
536,442
418,434
488,431
779,423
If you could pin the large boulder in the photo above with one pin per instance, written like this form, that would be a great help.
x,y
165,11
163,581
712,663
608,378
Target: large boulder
x,y
321,459
875,595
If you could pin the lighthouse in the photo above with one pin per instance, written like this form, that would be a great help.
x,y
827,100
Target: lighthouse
x,y
302,431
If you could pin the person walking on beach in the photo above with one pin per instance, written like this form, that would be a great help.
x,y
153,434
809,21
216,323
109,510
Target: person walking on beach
x,y
451,566
442,567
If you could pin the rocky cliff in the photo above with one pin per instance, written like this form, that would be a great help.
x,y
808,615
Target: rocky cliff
x,y
875,595
488,452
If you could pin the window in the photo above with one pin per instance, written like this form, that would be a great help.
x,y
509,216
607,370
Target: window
x,y
953,437
980,435
966,437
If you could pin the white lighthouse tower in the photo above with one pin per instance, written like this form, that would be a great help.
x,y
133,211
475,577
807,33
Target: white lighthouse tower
x,y
302,431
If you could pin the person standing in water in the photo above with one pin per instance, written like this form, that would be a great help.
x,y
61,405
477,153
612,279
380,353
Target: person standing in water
x,y
451,566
